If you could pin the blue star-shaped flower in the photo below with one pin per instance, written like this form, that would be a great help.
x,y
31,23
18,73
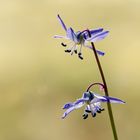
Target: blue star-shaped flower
x,y
81,38
93,104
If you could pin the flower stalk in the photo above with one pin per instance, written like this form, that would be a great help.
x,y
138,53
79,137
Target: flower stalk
x,y
100,84
105,90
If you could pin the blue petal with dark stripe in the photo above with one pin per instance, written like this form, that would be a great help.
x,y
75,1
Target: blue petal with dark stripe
x,y
98,37
67,105
82,100
71,35
62,23
67,112
96,31
112,100
92,32
100,52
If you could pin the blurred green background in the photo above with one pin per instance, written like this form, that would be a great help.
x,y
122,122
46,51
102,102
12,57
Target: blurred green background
x,y
37,77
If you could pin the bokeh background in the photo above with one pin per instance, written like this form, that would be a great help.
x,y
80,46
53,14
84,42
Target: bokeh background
x,y
37,77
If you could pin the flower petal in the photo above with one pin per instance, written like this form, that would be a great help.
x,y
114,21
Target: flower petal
x,y
98,37
67,112
92,32
79,103
87,109
97,98
62,23
112,100
71,35
67,105
106,99
96,31
59,36
93,110
72,106
99,52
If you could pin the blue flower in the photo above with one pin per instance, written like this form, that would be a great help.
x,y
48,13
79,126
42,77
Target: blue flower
x,y
93,104
81,38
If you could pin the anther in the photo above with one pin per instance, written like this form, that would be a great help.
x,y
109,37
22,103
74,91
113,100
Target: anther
x,y
64,45
102,109
80,57
75,51
94,115
79,54
85,116
68,51
99,111
88,111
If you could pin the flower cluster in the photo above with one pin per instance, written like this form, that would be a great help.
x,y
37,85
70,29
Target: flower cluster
x,y
81,38
93,104
90,100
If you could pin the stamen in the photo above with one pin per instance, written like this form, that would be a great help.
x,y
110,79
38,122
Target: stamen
x,y
99,111
80,57
68,51
75,51
79,53
85,116
94,115
102,109
72,50
64,45
88,111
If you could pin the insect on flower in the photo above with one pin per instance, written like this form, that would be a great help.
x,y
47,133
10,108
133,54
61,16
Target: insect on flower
x,y
81,38
93,104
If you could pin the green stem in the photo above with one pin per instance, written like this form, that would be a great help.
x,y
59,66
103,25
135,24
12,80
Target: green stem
x,y
105,90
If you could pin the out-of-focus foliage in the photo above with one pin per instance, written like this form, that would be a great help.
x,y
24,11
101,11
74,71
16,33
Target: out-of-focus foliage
x,y
37,77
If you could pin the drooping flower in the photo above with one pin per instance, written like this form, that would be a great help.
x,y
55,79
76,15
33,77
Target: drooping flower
x,y
81,38
93,104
